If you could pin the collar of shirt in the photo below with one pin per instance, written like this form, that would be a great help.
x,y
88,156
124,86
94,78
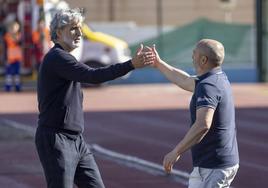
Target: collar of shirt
x,y
213,71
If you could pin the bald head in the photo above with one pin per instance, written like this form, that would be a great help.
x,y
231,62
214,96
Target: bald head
x,y
213,49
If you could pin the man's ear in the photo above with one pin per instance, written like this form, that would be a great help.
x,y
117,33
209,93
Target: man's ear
x,y
204,60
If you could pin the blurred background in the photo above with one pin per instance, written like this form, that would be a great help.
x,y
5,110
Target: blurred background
x,y
133,121
114,29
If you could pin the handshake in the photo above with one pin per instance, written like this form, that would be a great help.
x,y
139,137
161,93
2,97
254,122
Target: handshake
x,y
145,56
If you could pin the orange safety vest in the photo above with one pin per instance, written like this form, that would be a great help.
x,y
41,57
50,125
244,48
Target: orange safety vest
x,y
14,51
42,43
36,37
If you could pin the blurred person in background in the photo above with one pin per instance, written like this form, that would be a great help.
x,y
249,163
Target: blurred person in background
x,y
14,56
2,43
41,41
212,136
63,153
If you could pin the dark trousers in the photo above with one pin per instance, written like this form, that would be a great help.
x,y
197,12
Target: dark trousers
x,y
66,160
13,70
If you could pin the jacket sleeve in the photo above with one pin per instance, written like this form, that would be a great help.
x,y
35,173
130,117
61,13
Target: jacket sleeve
x,y
67,67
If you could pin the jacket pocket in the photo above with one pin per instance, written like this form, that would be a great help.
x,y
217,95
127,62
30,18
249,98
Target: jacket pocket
x,y
205,173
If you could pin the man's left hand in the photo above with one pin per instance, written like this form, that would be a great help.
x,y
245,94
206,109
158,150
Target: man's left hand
x,y
169,160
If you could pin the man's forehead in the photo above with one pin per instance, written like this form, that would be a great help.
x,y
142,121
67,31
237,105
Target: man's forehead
x,y
75,24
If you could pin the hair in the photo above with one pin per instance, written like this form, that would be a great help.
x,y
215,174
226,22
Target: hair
x,y
213,49
11,24
63,18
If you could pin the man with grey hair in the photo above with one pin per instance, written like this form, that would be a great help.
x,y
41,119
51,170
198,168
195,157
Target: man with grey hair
x,y
64,155
212,136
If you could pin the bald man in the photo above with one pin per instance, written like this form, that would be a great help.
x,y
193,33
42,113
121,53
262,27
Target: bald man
x,y
212,133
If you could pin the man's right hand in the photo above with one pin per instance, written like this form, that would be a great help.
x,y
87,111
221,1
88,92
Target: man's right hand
x,y
157,60
143,58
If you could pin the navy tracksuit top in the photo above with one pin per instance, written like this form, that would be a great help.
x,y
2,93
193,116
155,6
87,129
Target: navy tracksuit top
x,y
60,98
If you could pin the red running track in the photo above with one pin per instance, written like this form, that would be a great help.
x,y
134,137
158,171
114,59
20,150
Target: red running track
x,y
146,121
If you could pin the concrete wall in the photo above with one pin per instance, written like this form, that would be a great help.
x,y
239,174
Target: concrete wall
x,y
175,12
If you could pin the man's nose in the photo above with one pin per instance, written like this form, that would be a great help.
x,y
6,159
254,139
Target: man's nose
x,y
79,32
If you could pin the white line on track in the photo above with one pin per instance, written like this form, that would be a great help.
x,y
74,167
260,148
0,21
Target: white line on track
x,y
140,164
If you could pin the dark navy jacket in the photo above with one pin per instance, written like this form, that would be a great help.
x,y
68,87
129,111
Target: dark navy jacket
x,y
60,99
218,149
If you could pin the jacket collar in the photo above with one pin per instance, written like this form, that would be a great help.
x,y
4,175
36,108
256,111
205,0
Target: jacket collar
x,y
57,45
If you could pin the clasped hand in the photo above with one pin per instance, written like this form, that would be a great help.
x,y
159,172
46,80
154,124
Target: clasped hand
x,y
145,56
